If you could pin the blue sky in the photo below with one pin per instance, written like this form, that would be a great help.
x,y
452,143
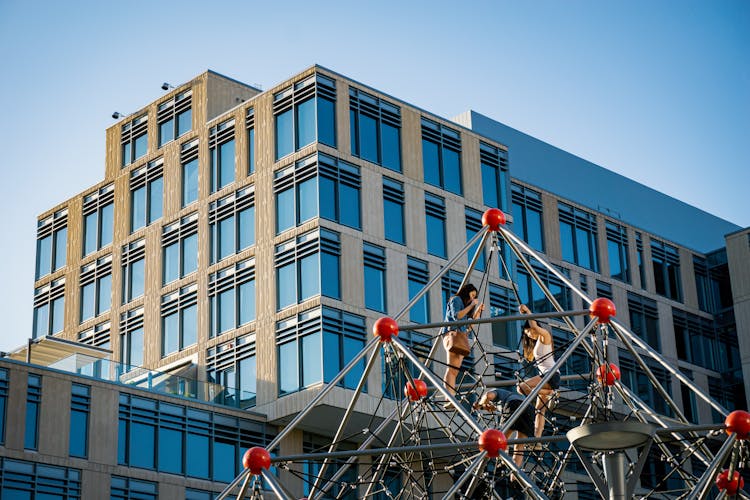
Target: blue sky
x,y
656,91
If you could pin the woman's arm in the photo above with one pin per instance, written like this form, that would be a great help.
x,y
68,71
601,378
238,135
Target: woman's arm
x,y
543,333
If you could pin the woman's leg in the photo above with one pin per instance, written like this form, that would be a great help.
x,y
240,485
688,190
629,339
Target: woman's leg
x,y
542,399
518,450
526,386
451,372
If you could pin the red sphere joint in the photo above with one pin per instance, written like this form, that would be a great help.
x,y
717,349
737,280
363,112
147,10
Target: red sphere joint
x,y
607,374
415,392
256,459
492,441
738,422
603,309
732,486
494,218
385,328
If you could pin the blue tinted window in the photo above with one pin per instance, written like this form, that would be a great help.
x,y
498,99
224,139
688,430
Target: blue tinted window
x,y
58,311
393,217
138,279
226,163
327,121
225,239
166,132
308,199
107,223
60,251
391,138
248,381
352,346
88,301
32,423
288,368
431,161
78,430
189,326
566,242
305,123
349,205
197,455
105,294
171,262
171,333
90,228
330,269
247,302
284,134
189,254
452,170
419,311
142,439
368,138
41,321
374,277
285,212
141,142
490,186
251,151
332,358
138,208
247,227
156,190
170,450
309,276
328,204
534,229
223,460
226,310
286,286
312,352
435,225
474,225
43,256
184,122
189,182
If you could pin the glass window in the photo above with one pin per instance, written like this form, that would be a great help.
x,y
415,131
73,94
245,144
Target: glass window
x,y
180,248
96,288
27,480
339,191
617,251
393,211
435,224
133,270
175,117
494,166
49,308
97,219
80,400
374,277
134,139
189,163
527,216
232,223
250,125
531,293
231,293
179,319
146,194
124,488
221,149
441,155
644,319
51,243
578,237
305,113
33,403
665,260
418,276
375,127
3,402
131,342
298,267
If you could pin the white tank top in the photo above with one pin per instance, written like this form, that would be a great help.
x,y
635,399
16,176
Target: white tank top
x,y
543,356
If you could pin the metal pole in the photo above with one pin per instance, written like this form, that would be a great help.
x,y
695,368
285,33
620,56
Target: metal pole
x,y
328,388
281,493
376,451
477,254
496,319
704,485
232,485
347,416
243,490
465,476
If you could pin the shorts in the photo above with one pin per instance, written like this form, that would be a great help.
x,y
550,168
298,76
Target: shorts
x,y
554,382
525,422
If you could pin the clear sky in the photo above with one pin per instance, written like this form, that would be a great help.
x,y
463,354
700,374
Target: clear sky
x,y
657,91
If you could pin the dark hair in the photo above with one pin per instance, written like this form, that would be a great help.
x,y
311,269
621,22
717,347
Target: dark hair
x,y
465,293
527,342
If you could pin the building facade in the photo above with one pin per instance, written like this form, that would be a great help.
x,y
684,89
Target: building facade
x,y
243,242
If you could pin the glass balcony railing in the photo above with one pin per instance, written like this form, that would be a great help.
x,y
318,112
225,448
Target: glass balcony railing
x,y
156,381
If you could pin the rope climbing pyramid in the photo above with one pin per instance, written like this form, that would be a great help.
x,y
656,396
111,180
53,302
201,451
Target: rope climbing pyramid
x,y
447,426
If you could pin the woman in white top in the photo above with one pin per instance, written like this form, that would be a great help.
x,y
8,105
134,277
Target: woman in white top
x,y
537,348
